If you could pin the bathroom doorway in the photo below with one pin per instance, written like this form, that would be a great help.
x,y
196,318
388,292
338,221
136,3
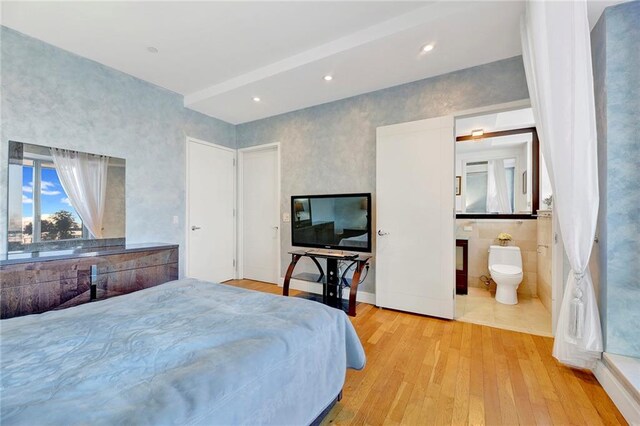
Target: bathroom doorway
x,y
504,223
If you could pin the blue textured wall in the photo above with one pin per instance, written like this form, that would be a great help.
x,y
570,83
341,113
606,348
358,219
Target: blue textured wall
x,y
330,148
616,54
53,97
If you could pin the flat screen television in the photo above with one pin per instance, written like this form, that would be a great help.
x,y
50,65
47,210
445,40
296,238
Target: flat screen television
x,y
334,221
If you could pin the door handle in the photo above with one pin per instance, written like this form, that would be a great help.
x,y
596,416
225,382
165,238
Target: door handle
x,y
275,228
381,233
194,228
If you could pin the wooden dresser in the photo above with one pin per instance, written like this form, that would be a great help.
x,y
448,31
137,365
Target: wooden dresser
x,y
38,282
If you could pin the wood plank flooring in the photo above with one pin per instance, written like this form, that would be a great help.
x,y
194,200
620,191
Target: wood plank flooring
x,y
426,371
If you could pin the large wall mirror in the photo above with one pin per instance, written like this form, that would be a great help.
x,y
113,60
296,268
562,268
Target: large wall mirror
x,y
497,166
59,199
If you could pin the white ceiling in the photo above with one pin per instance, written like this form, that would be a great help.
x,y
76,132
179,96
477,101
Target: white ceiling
x,y
219,55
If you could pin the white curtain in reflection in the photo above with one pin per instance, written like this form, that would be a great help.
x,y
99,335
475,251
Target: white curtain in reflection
x,y
497,192
84,178
557,56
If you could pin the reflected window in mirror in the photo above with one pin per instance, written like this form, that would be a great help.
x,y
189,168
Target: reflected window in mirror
x,y
47,213
63,199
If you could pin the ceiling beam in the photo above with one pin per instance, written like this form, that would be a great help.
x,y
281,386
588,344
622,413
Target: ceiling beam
x,y
384,29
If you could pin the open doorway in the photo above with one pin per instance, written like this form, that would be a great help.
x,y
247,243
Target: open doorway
x,y
504,223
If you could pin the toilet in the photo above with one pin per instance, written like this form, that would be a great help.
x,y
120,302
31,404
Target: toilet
x,y
505,267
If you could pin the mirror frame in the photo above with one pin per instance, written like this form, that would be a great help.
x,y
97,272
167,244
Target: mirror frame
x,y
535,176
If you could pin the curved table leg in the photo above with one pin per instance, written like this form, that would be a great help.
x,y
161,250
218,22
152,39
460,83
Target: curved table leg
x,y
319,269
287,277
354,288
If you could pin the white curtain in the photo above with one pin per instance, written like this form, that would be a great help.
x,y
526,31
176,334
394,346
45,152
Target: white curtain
x,y
497,192
557,58
84,178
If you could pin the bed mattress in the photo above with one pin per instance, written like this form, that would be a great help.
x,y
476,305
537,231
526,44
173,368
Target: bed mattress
x,y
185,352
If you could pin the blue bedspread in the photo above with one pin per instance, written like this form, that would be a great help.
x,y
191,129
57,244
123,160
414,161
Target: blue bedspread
x,y
185,352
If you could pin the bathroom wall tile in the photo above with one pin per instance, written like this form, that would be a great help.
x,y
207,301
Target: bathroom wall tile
x,y
529,261
544,293
484,234
474,281
544,259
486,230
529,284
529,230
526,245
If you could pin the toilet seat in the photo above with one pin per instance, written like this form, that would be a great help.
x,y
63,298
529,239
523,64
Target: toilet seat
x,y
508,270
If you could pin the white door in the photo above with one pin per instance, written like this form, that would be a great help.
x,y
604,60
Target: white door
x,y
260,203
415,249
210,215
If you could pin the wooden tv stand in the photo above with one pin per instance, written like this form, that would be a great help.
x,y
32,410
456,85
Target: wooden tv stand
x,y
332,282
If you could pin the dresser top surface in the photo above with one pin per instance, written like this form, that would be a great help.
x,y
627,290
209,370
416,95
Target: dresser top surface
x,y
44,256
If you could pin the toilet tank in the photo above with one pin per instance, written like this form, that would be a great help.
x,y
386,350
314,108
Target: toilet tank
x,y
509,255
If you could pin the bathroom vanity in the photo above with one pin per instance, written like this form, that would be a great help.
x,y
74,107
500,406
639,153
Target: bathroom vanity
x,y
462,268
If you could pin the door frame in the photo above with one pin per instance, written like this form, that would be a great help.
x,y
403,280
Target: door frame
x,y
557,259
506,106
240,209
190,140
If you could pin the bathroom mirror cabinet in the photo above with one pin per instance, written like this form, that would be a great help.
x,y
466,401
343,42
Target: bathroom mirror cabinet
x,y
497,174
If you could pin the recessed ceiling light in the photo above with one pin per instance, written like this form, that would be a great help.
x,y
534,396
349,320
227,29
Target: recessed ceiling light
x,y
256,99
152,49
428,48
477,133
327,78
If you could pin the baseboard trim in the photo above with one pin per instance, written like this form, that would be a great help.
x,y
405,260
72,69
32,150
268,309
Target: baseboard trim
x,y
617,391
316,288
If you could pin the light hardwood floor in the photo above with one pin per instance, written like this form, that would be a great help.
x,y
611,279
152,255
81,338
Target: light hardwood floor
x,y
426,371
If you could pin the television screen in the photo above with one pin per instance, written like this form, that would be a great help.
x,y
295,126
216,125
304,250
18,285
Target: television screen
x,y
338,221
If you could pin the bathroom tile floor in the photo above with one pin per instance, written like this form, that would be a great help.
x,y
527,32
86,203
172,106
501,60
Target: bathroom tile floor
x,y
480,307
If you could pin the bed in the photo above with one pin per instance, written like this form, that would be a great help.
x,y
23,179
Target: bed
x,y
357,241
184,352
